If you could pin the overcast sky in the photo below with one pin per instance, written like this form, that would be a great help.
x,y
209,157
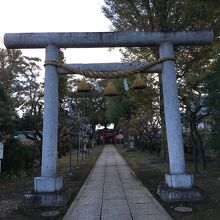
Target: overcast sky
x,y
58,16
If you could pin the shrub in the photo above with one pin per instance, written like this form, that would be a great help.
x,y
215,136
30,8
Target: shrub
x,y
17,156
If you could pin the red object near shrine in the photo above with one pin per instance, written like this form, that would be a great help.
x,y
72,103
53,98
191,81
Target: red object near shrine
x,y
107,136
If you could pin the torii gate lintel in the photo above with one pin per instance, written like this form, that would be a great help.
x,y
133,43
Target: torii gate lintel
x,y
106,39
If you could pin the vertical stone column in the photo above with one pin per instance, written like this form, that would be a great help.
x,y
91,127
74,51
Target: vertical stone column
x,y
49,182
177,178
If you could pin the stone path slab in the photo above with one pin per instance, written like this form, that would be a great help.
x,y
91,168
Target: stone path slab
x,y
112,192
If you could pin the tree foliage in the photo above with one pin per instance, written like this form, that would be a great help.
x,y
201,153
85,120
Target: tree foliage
x,y
213,103
169,15
6,124
92,105
120,105
20,93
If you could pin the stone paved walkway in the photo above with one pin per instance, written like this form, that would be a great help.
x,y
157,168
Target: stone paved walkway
x,y
112,192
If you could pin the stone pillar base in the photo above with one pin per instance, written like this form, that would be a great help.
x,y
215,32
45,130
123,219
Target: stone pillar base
x,y
168,194
36,200
176,181
47,184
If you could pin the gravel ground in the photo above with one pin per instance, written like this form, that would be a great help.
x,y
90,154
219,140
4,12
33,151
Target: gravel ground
x,y
12,190
8,206
11,194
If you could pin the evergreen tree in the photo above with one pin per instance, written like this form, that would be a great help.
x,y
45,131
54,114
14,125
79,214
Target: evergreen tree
x,y
213,102
119,106
6,124
63,120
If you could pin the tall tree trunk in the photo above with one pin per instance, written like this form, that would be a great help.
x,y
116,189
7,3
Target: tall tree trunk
x,y
164,147
194,145
59,152
93,132
201,149
33,157
65,146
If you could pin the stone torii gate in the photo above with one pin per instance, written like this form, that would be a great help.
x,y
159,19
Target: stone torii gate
x,y
178,183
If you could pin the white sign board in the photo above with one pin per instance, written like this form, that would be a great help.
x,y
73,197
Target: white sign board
x,y
119,136
1,150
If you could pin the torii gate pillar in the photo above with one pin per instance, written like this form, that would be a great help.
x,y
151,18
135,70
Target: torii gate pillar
x,y
178,184
48,181
177,177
